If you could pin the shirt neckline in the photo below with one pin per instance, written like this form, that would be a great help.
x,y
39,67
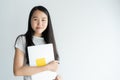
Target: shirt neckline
x,y
37,37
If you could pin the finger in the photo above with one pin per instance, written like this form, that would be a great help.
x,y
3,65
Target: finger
x,y
59,77
57,61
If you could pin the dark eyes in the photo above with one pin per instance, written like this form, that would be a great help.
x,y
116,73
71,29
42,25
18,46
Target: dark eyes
x,y
37,19
44,20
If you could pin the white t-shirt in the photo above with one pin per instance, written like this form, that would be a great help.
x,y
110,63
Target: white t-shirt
x,y
20,44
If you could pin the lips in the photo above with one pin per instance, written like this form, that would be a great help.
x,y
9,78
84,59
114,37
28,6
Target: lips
x,y
37,27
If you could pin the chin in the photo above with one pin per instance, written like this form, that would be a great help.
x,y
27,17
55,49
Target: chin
x,y
39,32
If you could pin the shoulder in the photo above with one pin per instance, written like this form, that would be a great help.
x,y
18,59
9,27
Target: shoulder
x,y
20,43
21,37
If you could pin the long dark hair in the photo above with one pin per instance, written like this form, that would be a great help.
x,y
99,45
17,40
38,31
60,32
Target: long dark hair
x,y
47,34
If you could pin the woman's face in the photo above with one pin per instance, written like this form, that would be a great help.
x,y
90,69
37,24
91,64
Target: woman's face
x,y
39,22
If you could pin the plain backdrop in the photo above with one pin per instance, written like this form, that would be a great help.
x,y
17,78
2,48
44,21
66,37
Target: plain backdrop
x,y
87,34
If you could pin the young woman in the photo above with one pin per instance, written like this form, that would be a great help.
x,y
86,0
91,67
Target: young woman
x,y
39,32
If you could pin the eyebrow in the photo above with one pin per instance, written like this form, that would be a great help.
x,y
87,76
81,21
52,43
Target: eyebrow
x,y
34,17
37,17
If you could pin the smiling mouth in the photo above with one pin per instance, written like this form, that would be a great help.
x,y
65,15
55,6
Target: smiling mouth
x,y
37,27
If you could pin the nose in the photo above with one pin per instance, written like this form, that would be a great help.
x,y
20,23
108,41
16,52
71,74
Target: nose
x,y
39,23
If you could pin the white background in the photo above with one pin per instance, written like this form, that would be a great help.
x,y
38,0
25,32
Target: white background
x,y
87,33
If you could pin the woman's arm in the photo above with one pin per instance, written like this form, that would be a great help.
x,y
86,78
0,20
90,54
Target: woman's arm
x,y
23,70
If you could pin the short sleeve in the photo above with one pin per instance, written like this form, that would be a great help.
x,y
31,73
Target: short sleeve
x,y
20,43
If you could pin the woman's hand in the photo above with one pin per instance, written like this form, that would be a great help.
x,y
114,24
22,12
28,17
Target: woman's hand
x,y
58,78
53,66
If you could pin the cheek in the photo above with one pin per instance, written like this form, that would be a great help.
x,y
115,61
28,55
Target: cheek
x,y
45,25
33,25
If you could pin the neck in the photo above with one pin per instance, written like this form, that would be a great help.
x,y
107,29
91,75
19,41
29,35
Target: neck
x,y
38,35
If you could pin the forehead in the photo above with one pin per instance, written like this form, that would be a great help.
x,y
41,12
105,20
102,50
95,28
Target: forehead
x,y
39,13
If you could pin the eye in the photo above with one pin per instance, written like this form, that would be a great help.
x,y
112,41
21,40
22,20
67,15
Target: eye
x,y
44,20
35,19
